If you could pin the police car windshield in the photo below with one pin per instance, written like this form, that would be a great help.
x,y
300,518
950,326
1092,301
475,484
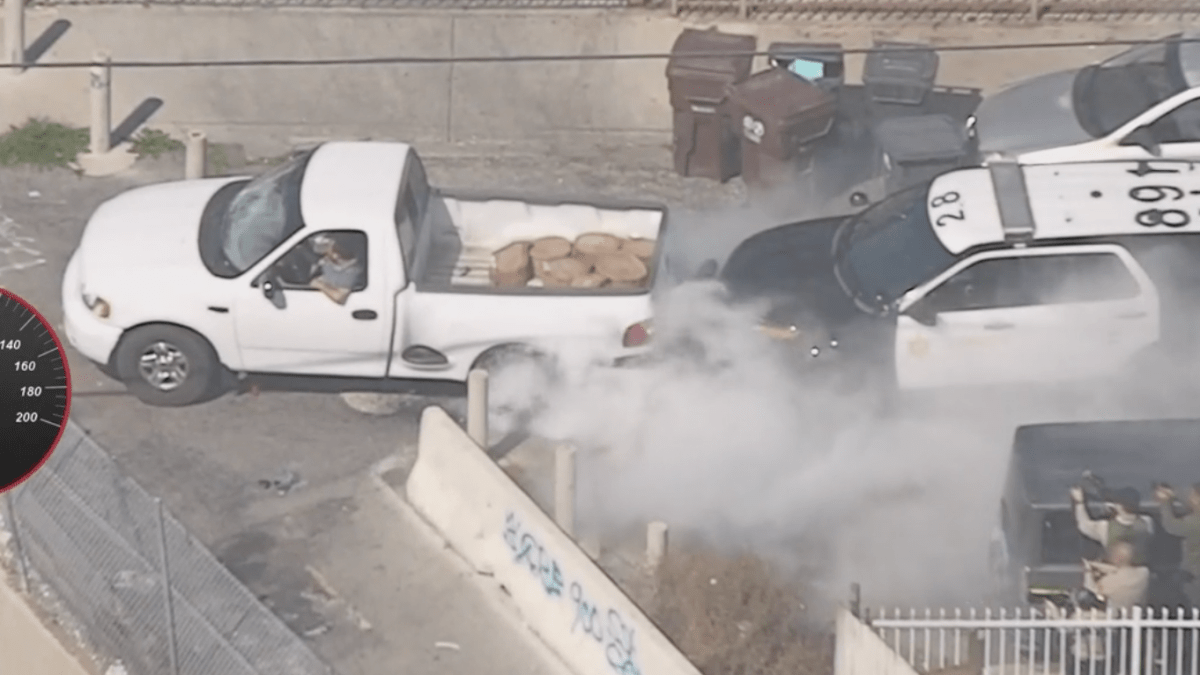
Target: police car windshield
x,y
1115,91
888,250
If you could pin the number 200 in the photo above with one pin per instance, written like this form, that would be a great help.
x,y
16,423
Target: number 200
x,y
25,417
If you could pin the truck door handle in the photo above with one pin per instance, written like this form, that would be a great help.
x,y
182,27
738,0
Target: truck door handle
x,y
364,314
1131,315
218,310
997,326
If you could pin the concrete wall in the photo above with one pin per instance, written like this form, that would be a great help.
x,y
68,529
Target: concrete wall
x,y
860,651
555,588
560,105
26,645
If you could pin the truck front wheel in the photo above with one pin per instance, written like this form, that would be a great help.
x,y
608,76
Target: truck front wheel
x,y
168,366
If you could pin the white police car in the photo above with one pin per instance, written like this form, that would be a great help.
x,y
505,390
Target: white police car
x,y
1143,103
1004,274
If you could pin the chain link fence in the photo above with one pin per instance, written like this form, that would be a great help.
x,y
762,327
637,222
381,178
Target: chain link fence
x,y
138,586
359,4
1022,10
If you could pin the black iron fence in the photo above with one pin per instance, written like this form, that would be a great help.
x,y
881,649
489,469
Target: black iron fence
x,y
140,587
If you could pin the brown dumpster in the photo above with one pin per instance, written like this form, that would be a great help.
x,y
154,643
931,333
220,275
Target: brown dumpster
x,y
778,116
704,143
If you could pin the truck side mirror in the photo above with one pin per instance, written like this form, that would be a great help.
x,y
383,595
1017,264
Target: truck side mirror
x,y
1144,139
272,291
923,313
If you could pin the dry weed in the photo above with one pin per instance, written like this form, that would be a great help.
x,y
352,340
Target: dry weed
x,y
736,615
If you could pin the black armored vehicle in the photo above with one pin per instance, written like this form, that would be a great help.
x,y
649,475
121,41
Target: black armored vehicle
x,y
1037,549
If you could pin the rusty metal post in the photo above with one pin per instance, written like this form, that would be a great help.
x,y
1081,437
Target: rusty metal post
x,y
101,80
196,155
564,488
477,407
14,33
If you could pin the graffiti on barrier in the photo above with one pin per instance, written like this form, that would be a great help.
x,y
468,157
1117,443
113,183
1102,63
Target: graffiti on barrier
x,y
607,627
17,251
532,554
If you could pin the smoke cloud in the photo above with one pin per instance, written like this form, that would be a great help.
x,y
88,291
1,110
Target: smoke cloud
x,y
720,440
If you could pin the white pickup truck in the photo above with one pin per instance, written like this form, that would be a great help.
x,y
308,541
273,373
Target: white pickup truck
x,y
183,289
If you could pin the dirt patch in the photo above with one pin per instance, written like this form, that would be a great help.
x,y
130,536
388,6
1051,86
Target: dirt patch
x,y
735,614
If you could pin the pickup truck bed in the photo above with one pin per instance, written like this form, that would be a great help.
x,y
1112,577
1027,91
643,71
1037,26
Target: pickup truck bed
x,y
467,230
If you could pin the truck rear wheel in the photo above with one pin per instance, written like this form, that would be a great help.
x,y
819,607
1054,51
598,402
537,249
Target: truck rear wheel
x,y
169,366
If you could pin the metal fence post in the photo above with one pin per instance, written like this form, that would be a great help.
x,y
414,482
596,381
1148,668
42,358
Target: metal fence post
x,y
477,407
101,141
195,155
743,8
14,33
18,548
656,544
564,488
166,586
1135,643
1035,10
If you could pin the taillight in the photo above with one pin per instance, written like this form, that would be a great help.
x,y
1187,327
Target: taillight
x,y
636,335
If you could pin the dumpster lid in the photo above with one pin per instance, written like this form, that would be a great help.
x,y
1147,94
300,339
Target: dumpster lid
x,y
692,41
916,138
901,62
826,52
778,94
810,60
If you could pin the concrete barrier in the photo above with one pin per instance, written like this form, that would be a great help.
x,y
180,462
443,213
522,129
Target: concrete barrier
x,y
27,646
860,651
557,590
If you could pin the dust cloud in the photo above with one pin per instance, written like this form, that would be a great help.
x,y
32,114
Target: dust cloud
x,y
718,439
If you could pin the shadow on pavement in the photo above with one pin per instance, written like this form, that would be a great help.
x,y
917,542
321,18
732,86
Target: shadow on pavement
x,y
38,48
136,119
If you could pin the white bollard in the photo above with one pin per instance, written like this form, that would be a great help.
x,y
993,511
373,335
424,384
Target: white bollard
x,y
477,407
656,543
14,33
196,155
101,104
564,488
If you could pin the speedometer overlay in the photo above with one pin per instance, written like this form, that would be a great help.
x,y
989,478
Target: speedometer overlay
x,y
35,390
